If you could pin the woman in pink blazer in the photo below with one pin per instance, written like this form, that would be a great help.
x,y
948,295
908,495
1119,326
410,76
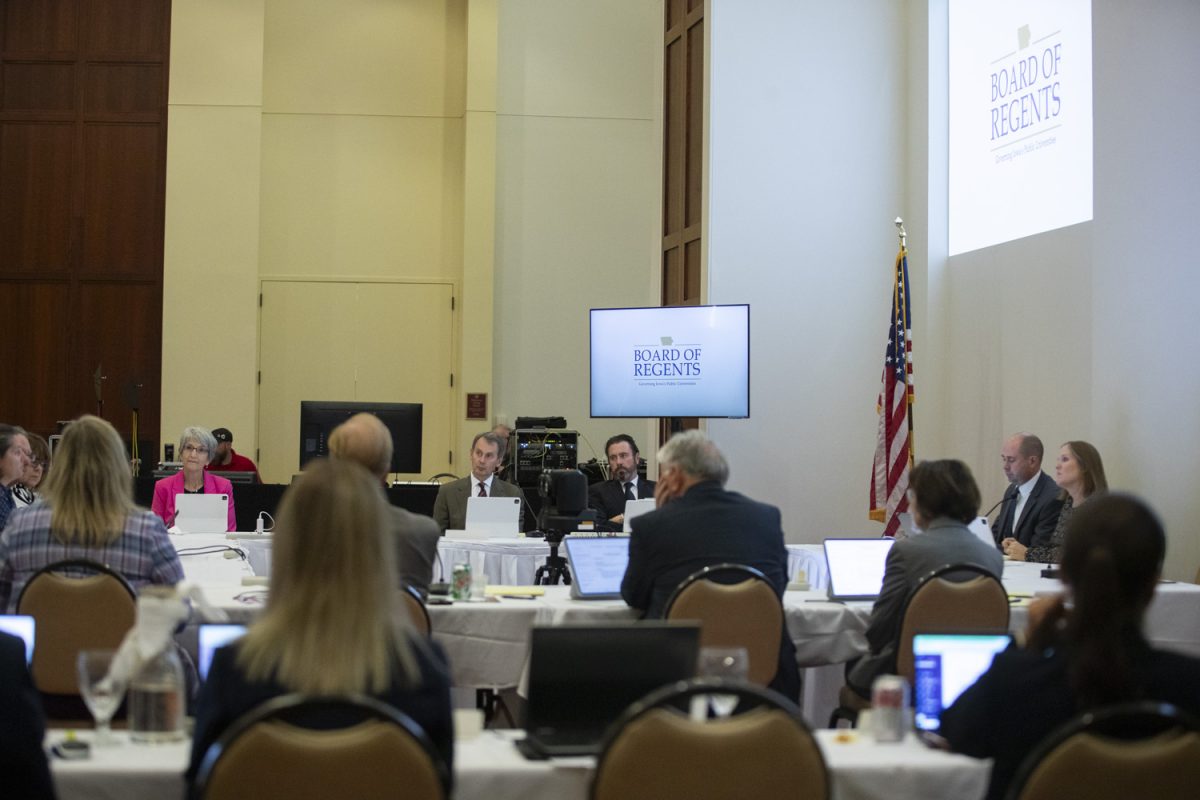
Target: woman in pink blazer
x,y
196,448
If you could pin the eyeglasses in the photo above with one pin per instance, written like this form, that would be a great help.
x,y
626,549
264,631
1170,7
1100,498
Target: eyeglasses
x,y
195,448
27,453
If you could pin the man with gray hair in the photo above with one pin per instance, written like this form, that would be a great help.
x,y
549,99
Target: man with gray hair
x,y
699,523
450,506
366,440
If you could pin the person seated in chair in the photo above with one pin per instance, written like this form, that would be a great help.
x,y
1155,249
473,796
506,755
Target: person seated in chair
x,y
698,523
88,513
22,727
1085,648
608,497
331,625
943,497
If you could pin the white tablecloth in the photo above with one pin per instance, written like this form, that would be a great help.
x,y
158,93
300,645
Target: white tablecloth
x,y
488,767
512,562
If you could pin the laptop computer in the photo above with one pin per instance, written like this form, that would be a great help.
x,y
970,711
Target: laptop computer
x,y
597,565
635,508
21,626
856,567
202,513
210,636
493,516
582,677
946,665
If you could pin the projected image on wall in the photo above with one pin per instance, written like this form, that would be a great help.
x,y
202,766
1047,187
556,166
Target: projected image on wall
x,y
1020,119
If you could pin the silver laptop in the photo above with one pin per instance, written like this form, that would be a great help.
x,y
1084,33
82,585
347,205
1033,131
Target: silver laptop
x,y
493,516
597,565
22,627
202,513
856,567
946,665
635,508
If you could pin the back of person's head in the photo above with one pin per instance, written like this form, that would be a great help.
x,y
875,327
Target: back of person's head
x,y
944,488
1112,557
365,440
330,625
1091,466
694,454
90,489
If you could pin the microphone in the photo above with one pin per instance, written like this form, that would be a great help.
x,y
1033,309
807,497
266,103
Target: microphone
x,y
1009,494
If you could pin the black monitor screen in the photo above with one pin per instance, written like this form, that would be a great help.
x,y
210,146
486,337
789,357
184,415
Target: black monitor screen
x,y
318,418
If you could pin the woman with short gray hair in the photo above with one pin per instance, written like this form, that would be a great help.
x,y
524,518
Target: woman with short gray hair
x,y
197,446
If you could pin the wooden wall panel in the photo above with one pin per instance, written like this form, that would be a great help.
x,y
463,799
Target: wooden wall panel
x,y
35,354
83,93
35,197
121,200
38,87
45,26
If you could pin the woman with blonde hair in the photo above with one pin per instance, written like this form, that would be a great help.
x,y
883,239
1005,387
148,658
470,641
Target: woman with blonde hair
x,y
1079,473
88,513
332,625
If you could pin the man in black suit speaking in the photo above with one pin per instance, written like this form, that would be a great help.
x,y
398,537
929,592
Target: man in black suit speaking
x,y
698,523
608,497
1031,505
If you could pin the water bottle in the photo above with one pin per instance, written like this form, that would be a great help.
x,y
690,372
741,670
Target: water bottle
x,y
156,700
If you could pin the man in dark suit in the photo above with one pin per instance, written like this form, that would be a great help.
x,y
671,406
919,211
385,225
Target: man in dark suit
x,y
1032,500
450,506
23,768
698,523
365,439
608,497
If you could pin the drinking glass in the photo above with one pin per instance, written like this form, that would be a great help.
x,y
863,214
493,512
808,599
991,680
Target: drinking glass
x,y
101,693
731,663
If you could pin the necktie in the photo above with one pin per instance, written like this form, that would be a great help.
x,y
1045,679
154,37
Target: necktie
x,y
482,489
629,491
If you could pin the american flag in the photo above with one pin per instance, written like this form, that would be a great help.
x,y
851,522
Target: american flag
x,y
894,444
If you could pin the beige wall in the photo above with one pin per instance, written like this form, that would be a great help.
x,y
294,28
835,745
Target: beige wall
x,y
510,149
578,197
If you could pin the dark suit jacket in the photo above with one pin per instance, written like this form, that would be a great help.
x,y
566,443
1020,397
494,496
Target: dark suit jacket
x,y
226,695
708,525
1038,518
608,497
23,768
416,538
450,506
944,542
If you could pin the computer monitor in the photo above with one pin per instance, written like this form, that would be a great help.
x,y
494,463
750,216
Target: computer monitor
x,y
318,418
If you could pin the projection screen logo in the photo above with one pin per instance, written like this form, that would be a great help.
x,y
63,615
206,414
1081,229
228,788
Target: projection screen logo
x,y
1026,95
667,363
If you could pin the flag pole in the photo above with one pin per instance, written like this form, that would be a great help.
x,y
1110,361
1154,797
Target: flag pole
x,y
912,450
900,229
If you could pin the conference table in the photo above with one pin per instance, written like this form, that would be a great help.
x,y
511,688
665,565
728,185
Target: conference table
x,y
488,767
488,642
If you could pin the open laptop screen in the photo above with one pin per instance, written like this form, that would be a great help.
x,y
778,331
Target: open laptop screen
x,y
946,665
856,567
21,626
211,636
597,565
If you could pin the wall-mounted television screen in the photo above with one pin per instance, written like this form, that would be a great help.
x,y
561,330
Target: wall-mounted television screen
x,y
318,418
678,361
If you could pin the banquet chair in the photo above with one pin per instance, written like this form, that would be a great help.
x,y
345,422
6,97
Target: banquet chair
x,y
1129,750
746,613
271,752
656,751
950,599
414,606
73,612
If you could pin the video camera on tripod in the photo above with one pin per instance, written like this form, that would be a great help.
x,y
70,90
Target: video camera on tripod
x,y
564,508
